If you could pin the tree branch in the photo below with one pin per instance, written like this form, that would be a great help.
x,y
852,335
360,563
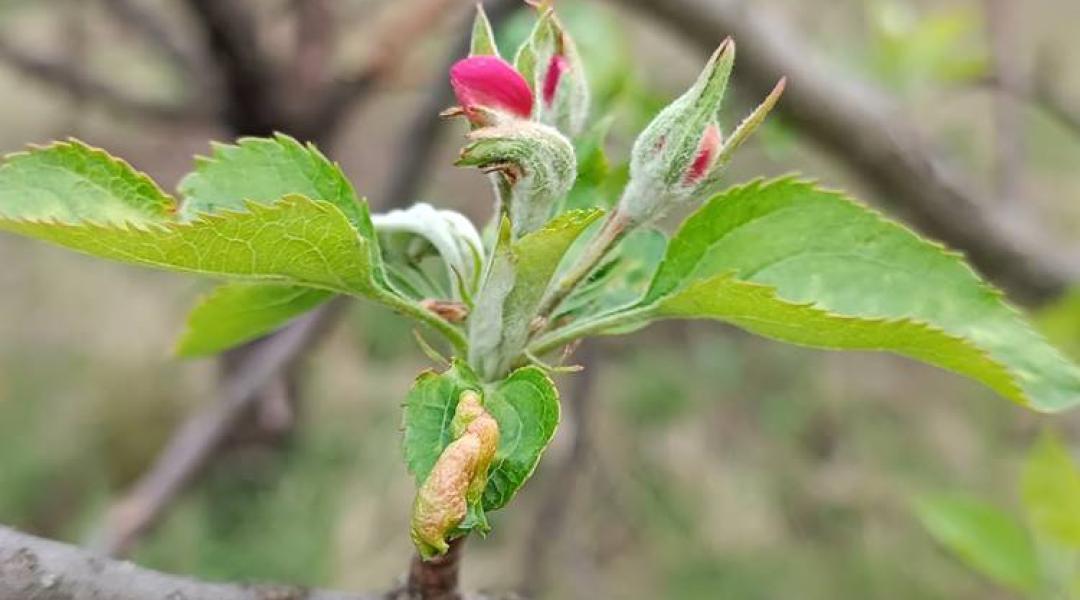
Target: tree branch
x,y
32,568
251,102
315,37
155,32
79,84
1003,25
390,45
859,126
190,449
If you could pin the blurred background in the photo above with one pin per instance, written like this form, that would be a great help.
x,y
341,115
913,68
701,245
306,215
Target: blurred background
x,y
694,461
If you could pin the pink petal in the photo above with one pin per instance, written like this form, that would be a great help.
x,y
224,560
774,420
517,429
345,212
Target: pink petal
x,y
556,69
707,151
492,83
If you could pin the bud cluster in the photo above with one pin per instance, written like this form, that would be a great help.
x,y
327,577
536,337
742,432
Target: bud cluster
x,y
522,117
680,155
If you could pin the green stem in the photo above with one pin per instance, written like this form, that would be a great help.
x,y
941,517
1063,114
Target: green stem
x,y
411,309
586,327
610,233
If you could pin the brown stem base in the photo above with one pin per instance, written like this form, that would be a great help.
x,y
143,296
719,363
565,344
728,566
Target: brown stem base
x,y
435,579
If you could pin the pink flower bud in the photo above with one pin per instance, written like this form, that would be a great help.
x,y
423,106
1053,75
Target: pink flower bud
x,y
558,67
708,150
491,83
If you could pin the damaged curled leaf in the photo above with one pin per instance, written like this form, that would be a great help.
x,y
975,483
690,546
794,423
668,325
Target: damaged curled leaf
x,y
449,499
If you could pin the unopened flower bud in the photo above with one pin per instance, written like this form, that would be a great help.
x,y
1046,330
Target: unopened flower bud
x,y
456,482
680,155
550,61
489,90
536,164
707,153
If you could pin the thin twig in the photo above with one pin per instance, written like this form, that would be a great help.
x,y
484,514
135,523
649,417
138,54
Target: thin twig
x,y
252,98
32,568
1003,20
80,84
425,130
158,34
195,443
391,44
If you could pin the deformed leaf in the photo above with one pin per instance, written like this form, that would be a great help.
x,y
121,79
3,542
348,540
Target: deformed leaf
x,y
526,406
295,241
986,538
235,313
429,411
1052,491
792,261
70,182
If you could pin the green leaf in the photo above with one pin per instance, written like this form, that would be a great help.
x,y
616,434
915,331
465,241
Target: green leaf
x,y
235,313
986,538
514,286
792,261
264,170
538,255
296,241
429,410
526,406
1052,491
70,182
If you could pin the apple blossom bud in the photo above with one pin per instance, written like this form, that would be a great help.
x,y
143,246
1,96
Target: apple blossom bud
x,y
536,164
707,153
680,155
550,61
489,90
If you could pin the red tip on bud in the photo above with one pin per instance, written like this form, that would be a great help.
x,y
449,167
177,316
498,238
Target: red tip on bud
x,y
558,66
708,150
492,83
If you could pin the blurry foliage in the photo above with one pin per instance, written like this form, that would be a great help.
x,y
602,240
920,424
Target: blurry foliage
x,y
910,49
1038,556
233,529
